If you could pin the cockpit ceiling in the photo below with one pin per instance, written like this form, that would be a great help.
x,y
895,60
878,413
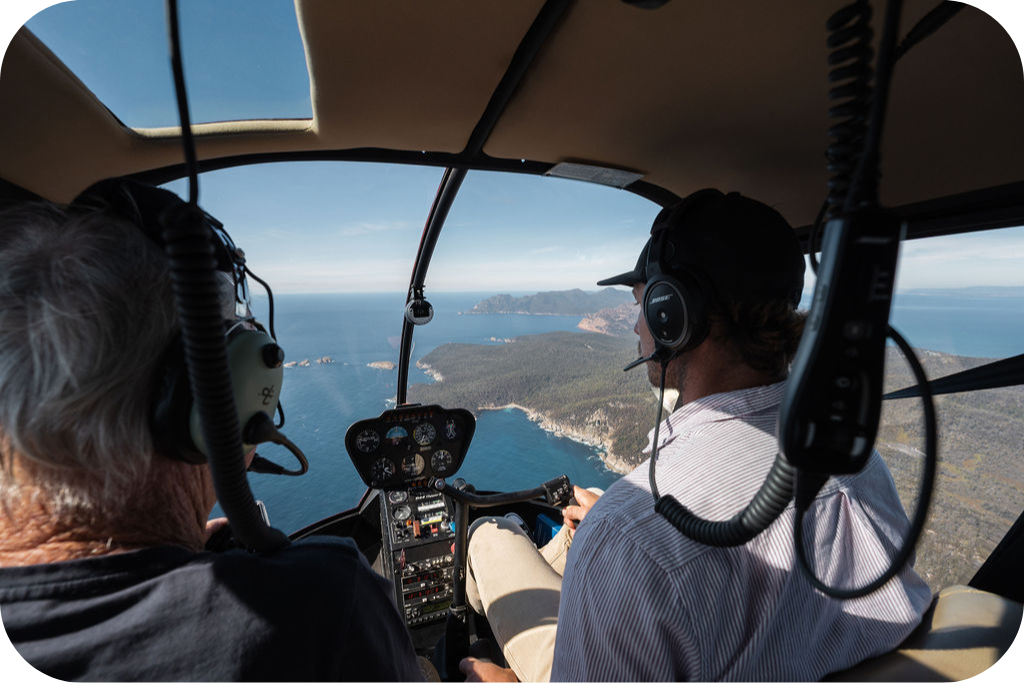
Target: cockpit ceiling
x,y
696,93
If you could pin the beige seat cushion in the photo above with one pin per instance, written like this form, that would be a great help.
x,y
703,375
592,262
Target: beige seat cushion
x,y
964,633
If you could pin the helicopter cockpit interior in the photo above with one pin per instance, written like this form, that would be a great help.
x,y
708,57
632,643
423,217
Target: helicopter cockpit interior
x,y
409,179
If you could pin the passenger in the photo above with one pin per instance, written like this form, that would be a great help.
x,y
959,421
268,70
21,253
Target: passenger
x,y
640,601
104,574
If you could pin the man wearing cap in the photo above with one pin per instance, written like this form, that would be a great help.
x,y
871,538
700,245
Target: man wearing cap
x,y
720,279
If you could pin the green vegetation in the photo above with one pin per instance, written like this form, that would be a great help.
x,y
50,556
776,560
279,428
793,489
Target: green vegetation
x,y
573,380
979,490
570,302
573,383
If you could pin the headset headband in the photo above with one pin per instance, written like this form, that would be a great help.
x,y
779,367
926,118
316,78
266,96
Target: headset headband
x,y
148,207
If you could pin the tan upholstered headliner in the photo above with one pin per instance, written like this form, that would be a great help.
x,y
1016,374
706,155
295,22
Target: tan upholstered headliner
x,y
697,93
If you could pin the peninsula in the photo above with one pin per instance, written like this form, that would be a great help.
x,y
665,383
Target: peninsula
x,y
571,383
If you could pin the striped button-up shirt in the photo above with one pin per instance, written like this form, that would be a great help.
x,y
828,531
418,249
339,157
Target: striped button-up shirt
x,y
642,602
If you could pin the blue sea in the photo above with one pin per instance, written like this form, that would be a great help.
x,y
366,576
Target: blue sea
x,y
509,451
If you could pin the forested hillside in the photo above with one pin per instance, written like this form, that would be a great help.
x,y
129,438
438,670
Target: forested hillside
x,y
980,485
574,380
569,302
573,383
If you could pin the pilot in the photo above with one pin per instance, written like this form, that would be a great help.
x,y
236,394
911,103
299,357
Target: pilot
x,y
640,601
103,572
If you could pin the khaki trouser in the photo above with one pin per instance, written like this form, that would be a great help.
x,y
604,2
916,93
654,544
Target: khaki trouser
x,y
517,588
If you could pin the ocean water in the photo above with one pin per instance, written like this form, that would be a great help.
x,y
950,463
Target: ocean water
x,y
509,451
978,326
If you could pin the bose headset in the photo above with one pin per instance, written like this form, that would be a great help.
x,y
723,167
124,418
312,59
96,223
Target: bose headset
x,y
675,304
255,360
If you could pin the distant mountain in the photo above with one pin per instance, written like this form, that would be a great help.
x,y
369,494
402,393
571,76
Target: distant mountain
x,y
980,291
617,322
569,302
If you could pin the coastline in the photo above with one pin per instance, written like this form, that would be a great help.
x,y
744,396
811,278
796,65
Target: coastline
x,y
611,461
430,371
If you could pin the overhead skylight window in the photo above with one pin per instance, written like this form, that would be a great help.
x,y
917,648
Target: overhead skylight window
x,y
243,60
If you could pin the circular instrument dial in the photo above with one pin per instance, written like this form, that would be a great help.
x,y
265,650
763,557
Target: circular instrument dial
x,y
402,513
424,433
367,441
382,470
440,462
396,434
398,496
412,465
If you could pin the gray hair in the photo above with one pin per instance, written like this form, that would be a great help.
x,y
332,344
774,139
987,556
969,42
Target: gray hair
x,y
86,311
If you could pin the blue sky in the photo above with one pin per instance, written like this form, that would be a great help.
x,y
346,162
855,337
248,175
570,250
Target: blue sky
x,y
338,227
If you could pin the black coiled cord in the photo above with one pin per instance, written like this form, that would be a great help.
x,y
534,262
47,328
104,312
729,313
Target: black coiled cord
x,y
841,159
770,501
809,484
850,60
186,236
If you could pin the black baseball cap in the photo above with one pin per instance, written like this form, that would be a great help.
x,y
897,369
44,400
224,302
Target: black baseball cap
x,y
743,246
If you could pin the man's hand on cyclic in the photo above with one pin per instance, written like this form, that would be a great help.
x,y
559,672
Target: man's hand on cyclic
x,y
478,670
572,515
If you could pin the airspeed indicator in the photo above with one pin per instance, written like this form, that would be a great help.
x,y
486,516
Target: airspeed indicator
x,y
424,433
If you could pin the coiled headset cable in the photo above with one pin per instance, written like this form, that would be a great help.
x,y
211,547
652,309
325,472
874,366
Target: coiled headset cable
x,y
186,236
771,500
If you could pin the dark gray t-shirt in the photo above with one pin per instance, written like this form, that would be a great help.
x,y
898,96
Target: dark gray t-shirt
x,y
315,610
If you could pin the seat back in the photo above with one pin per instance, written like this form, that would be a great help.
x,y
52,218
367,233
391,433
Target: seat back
x,y
965,631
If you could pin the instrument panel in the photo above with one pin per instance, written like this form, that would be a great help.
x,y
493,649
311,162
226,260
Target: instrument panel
x,y
409,444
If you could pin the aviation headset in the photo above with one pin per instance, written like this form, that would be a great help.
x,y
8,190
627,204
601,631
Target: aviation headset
x,y
676,298
254,358
679,292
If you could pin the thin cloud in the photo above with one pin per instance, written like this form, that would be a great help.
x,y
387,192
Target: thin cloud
x,y
369,228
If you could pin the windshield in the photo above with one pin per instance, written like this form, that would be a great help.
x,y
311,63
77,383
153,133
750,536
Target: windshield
x,y
960,304
336,242
522,337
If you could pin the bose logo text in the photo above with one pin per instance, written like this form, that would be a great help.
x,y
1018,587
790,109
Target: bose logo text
x,y
658,300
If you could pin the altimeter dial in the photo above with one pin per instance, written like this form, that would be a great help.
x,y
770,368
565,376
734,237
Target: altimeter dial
x,y
440,462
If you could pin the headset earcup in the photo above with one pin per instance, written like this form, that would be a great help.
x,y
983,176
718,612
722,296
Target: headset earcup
x,y
172,406
675,310
255,363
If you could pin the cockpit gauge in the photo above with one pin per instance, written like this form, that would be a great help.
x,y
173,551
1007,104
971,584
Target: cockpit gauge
x,y
368,441
398,496
382,470
405,445
402,513
424,433
440,462
412,465
396,434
